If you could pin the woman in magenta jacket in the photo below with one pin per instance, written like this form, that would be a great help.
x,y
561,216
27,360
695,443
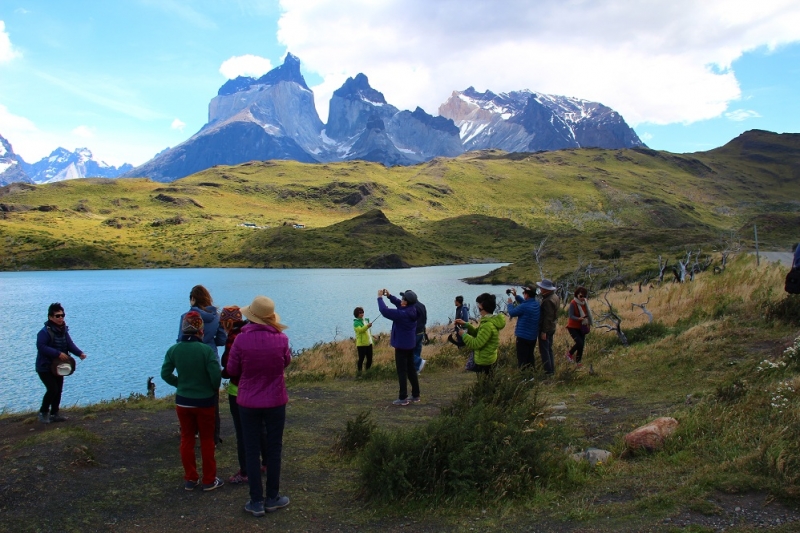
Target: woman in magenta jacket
x,y
258,357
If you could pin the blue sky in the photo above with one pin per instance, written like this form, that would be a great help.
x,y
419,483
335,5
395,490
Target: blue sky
x,y
129,78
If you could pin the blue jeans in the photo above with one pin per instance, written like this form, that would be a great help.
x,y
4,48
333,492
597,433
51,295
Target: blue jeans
x,y
418,351
254,422
546,351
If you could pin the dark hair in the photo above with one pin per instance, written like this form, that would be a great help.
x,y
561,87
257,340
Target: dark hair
x,y
357,311
529,291
202,298
460,299
581,290
488,302
54,308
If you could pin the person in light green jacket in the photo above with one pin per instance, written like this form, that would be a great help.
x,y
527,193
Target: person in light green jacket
x,y
363,338
484,339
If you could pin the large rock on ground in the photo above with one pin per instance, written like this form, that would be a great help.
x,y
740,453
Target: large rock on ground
x,y
651,437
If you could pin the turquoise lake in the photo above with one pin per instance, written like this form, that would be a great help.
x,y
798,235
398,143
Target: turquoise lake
x,y
125,320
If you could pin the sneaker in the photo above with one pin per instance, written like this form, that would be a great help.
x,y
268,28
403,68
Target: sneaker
x,y
415,399
263,469
569,357
238,478
217,483
273,504
57,418
400,402
579,365
255,508
421,366
190,485
44,418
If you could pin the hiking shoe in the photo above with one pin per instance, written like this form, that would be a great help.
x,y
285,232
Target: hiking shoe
x,y
254,508
569,357
400,402
421,366
57,418
263,469
273,504
190,485
217,483
44,418
238,478
415,399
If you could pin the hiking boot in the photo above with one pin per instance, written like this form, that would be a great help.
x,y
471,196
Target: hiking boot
x,y
44,418
273,504
569,357
190,485
237,478
255,508
217,483
415,399
57,418
421,366
402,402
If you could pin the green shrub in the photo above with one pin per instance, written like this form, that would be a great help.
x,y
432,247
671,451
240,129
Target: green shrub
x,y
785,310
356,434
646,333
491,442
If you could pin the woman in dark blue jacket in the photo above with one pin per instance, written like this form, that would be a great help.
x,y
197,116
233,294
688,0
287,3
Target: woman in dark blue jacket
x,y
526,308
403,339
53,343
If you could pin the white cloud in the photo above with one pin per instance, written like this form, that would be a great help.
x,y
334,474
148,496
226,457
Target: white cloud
x,y
246,65
83,132
738,115
177,124
7,50
656,62
646,136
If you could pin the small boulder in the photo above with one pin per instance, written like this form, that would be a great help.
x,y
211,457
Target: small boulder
x,y
650,437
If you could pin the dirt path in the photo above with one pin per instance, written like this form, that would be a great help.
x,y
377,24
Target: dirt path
x,y
118,469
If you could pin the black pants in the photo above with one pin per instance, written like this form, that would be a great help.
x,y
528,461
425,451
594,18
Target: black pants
x,y
404,362
580,341
256,422
52,397
364,352
483,369
525,349
237,426
546,351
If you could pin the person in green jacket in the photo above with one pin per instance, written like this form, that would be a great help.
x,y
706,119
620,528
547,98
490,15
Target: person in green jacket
x,y
198,379
363,338
484,339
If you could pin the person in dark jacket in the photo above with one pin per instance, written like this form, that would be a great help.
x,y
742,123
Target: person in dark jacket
x,y
213,335
197,383
53,343
526,309
796,260
403,340
422,321
462,313
548,318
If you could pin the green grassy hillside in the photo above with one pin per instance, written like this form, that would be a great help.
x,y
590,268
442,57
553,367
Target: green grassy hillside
x,y
589,203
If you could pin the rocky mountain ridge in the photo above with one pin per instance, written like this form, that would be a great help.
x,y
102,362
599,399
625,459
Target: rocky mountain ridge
x,y
60,165
274,117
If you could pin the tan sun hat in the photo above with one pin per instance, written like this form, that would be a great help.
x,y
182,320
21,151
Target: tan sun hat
x,y
262,311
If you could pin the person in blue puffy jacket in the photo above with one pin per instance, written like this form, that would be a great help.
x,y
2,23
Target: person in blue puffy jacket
x,y
526,309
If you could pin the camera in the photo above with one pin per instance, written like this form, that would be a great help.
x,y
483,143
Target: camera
x,y
508,291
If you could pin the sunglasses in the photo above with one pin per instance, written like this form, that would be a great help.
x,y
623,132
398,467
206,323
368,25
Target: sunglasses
x,y
59,315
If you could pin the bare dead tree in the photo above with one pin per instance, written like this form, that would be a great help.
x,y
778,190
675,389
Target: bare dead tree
x,y
611,321
728,246
662,266
680,270
644,309
538,256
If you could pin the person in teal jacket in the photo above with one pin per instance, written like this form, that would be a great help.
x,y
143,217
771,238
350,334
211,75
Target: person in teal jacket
x,y
484,339
362,327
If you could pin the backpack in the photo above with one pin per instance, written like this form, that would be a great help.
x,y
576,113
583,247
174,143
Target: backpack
x,y
792,285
